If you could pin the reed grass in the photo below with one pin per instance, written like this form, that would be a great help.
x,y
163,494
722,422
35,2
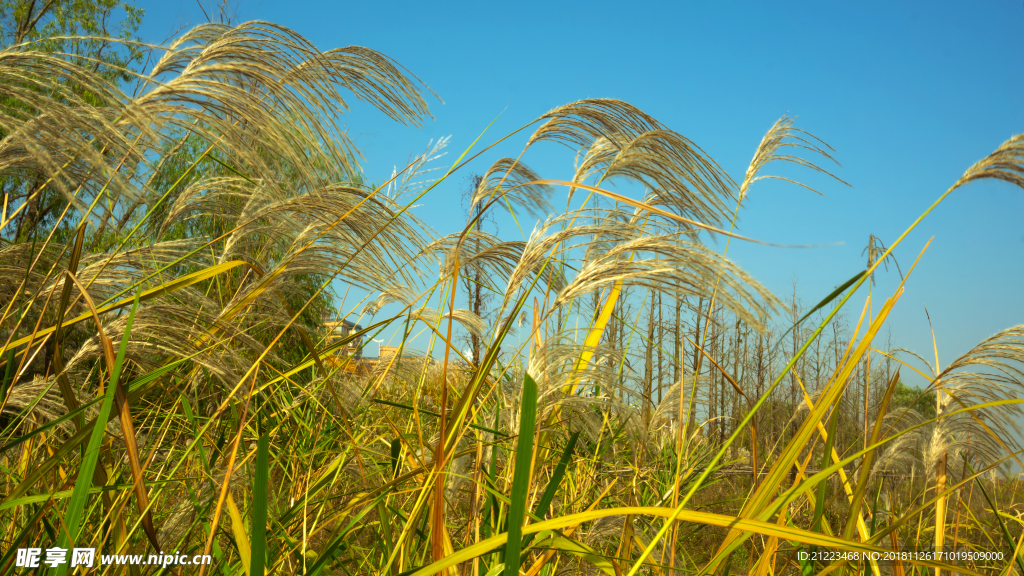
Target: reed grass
x,y
207,215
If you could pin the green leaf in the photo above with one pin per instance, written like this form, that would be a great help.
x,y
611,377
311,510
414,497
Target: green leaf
x,y
8,377
259,506
552,487
425,412
80,495
521,476
491,506
396,451
824,301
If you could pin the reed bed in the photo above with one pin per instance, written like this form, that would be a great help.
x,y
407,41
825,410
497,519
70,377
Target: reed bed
x,y
630,401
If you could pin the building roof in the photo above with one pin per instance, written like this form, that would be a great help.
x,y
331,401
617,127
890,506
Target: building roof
x,y
335,323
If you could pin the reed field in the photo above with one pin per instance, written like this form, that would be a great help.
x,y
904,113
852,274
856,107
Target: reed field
x,y
185,369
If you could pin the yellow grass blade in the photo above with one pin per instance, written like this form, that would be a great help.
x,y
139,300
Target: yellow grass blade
x,y
165,288
708,518
241,537
597,330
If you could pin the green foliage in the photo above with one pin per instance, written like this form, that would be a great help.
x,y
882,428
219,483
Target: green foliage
x,y
99,35
521,476
106,31
259,506
914,398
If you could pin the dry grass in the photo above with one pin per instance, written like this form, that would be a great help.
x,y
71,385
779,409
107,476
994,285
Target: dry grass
x,y
682,423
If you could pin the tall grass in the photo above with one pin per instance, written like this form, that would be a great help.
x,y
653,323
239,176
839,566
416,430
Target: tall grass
x,y
205,215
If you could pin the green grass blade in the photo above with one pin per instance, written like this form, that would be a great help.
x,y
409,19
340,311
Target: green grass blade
x,y
1011,545
824,302
490,513
135,390
396,452
425,412
521,476
259,506
80,495
22,538
5,385
556,477
552,488
63,494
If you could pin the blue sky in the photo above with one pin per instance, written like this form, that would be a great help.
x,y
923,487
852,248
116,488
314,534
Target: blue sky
x,y
909,95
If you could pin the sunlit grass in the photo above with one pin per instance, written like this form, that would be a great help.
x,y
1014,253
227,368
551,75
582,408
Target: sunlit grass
x,y
632,402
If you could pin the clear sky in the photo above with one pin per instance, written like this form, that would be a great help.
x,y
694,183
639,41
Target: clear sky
x,y
908,94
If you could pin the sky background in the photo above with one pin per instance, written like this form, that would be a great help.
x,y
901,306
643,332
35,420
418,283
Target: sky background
x,y
909,95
